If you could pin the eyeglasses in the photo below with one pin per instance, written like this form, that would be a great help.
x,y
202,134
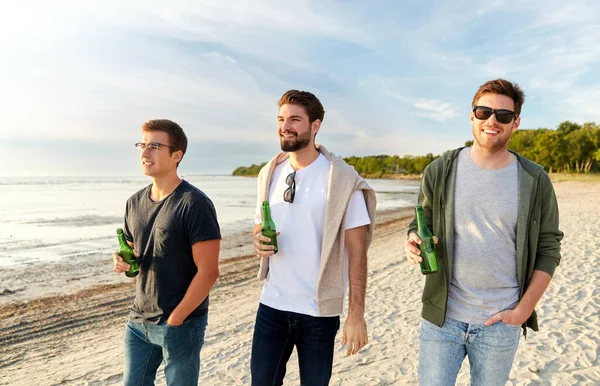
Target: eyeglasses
x,y
154,146
290,192
502,115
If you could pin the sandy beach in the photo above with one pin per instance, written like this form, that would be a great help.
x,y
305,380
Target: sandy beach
x,y
63,324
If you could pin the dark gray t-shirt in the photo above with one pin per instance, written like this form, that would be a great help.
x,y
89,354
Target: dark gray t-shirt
x,y
163,234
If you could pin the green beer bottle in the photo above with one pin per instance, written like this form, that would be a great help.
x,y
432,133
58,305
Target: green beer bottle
x,y
126,252
268,226
427,247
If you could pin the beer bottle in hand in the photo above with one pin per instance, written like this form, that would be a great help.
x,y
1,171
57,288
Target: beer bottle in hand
x,y
126,252
268,226
429,264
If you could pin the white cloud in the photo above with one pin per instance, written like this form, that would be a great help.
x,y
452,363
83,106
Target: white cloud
x,y
436,110
260,28
220,57
412,141
79,70
561,13
76,70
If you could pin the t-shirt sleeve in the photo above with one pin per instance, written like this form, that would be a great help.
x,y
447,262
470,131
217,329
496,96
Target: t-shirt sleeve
x,y
202,224
126,225
356,213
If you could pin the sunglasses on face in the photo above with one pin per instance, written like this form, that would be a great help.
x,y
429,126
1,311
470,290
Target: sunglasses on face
x,y
502,115
290,192
154,146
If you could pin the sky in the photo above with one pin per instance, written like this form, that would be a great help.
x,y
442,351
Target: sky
x,y
79,78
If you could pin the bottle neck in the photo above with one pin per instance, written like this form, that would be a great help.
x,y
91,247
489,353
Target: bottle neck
x,y
266,213
122,240
421,219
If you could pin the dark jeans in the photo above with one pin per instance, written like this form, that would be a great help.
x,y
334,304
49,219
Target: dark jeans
x,y
275,335
147,345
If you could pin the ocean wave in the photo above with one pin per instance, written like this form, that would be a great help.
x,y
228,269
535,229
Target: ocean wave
x,y
78,221
10,245
407,191
59,181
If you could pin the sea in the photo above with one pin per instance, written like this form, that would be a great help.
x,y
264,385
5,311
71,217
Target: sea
x,y
50,219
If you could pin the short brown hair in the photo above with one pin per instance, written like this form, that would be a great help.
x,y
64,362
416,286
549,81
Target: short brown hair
x,y
312,105
502,87
177,137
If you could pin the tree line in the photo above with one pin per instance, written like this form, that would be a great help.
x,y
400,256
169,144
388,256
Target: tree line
x,y
570,148
248,171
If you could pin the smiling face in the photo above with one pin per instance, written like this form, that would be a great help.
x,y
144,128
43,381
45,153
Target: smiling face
x,y
294,129
161,162
490,135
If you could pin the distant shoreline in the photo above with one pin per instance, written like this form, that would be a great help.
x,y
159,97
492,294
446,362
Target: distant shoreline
x,y
554,177
413,177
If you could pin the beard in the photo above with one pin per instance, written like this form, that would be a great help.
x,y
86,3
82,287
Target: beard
x,y
300,143
492,145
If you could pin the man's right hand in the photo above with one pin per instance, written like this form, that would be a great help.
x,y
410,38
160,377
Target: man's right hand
x,y
263,250
120,265
411,247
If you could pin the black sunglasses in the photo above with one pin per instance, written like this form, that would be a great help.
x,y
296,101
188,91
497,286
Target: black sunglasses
x,y
502,115
290,192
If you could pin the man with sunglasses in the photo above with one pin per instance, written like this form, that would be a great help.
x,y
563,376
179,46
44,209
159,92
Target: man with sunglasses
x,y
496,216
173,228
324,213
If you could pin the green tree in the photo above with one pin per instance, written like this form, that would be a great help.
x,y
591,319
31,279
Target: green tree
x,y
583,145
549,150
248,171
567,127
522,141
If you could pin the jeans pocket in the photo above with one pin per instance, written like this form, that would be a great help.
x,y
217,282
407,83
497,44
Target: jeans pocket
x,y
185,322
509,325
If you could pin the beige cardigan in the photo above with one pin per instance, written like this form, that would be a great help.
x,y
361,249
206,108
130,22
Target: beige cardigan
x,y
343,181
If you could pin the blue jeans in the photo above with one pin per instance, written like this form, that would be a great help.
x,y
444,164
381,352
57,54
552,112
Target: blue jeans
x,y
491,351
275,335
146,345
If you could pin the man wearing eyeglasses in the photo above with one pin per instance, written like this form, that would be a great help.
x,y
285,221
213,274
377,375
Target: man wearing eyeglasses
x,y
324,213
496,216
173,228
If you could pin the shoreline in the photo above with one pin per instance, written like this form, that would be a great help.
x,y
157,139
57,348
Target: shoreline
x,y
68,276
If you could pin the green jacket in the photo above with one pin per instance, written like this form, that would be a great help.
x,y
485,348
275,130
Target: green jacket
x,y
538,236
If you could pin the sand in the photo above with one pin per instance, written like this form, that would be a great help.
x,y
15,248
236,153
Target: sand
x,y
63,324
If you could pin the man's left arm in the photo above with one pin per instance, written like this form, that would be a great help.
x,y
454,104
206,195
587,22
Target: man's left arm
x,y
548,246
546,259
206,258
355,327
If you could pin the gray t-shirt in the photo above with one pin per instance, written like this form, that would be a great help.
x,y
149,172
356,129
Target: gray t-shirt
x,y
484,275
163,233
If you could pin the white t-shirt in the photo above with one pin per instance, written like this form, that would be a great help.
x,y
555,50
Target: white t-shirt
x,y
291,283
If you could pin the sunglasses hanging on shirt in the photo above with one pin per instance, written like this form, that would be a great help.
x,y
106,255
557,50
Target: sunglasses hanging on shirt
x,y
290,192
